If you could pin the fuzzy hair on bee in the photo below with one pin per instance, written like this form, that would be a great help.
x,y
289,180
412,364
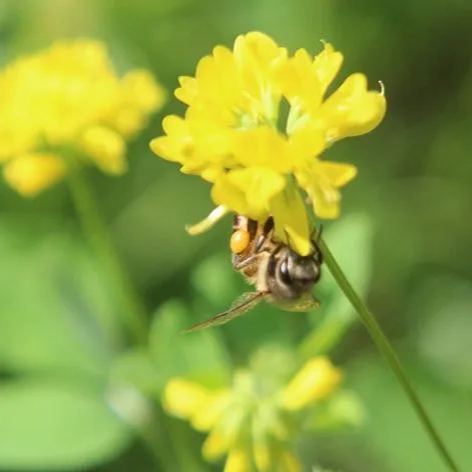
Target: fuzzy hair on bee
x,y
279,275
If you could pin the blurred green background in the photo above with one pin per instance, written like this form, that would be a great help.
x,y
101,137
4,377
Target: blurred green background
x,y
404,236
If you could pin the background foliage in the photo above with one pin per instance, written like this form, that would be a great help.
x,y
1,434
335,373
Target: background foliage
x,y
404,238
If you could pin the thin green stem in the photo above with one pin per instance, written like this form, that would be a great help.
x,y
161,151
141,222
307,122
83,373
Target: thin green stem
x,y
133,312
386,349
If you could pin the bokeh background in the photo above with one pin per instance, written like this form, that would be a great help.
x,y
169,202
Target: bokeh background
x,y
404,236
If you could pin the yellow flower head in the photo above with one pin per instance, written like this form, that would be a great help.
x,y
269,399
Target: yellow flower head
x,y
69,99
255,420
317,379
257,122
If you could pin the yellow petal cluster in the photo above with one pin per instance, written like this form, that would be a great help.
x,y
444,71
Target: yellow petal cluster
x,y
69,98
253,426
317,379
257,122
30,173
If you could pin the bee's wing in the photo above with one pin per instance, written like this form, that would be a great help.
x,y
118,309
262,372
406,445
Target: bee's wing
x,y
306,302
240,306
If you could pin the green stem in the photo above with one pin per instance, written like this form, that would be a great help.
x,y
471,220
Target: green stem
x,y
386,349
133,312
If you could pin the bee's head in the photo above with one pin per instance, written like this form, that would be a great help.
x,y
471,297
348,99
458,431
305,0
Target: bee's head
x,y
291,275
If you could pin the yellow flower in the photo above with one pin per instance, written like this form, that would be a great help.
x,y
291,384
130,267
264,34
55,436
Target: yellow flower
x,y
30,173
106,148
189,400
317,379
321,181
260,160
69,99
236,87
238,461
254,421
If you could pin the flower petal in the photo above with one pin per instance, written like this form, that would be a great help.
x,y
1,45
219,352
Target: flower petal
x,y
106,148
248,191
206,418
300,82
315,381
327,64
215,445
352,110
139,89
288,462
257,52
29,174
305,143
188,90
177,145
258,56
262,456
195,142
238,460
215,88
338,174
326,201
321,180
183,398
291,221
262,146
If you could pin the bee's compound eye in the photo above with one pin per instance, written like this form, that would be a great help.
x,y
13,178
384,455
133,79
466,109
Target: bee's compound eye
x,y
284,273
239,241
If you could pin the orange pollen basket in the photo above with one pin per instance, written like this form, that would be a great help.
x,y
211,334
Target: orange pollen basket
x,y
239,241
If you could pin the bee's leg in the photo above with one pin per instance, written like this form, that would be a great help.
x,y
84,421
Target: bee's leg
x,y
238,265
315,235
266,230
315,238
252,226
245,262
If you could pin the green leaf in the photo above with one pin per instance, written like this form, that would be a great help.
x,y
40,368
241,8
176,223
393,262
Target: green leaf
x,y
439,315
49,426
56,311
216,280
136,368
166,241
199,355
344,409
350,240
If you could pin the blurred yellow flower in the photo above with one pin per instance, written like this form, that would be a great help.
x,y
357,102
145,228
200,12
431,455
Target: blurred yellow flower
x,y
252,422
30,173
256,123
69,99
314,381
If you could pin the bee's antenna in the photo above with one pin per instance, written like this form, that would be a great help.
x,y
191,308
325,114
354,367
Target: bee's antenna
x,y
287,236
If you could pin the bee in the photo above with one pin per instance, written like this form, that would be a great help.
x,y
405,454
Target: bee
x,y
278,274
